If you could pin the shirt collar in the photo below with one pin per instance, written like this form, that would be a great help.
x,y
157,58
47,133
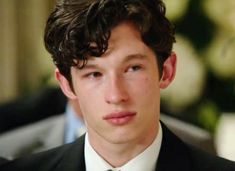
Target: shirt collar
x,y
146,160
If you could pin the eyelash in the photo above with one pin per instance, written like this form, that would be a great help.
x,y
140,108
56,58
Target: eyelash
x,y
93,75
96,74
134,68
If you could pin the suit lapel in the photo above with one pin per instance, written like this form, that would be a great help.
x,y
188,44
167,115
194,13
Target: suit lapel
x,y
173,154
74,160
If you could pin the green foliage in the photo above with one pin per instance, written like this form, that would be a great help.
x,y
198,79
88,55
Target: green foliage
x,y
208,115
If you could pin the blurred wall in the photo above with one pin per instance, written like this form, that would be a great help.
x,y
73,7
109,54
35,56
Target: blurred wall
x,y
24,62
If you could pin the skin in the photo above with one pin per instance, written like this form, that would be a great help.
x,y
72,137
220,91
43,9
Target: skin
x,y
119,95
76,107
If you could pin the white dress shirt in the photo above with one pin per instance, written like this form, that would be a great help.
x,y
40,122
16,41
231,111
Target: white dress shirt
x,y
146,160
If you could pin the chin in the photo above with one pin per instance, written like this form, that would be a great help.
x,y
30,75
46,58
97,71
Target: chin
x,y
124,137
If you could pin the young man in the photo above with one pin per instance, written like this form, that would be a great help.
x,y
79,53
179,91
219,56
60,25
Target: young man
x,y
113,57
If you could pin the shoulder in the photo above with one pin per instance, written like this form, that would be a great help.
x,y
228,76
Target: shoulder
x,y
178,155
12,144
36,126
205,161
3,160
52,160
39,105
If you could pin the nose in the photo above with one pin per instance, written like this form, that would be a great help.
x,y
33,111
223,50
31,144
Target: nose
x,y
116,91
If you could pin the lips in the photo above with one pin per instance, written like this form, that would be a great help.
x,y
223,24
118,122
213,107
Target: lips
x,y
119,118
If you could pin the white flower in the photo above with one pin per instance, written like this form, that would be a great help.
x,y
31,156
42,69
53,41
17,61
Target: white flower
x,y
175,8
222,13
221,55
189,81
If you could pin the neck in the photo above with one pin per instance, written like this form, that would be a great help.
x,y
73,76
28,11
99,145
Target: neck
x,y
118,154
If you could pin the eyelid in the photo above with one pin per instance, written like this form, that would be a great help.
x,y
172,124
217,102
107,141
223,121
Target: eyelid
x,y
135,65
91,74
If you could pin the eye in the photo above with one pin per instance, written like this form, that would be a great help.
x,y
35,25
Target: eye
x,y
134,68
93,75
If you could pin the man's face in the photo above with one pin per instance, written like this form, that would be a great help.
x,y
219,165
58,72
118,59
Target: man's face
x,y
119,92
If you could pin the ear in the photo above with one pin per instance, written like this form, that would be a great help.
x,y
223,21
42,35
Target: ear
x,y
64,85
168,70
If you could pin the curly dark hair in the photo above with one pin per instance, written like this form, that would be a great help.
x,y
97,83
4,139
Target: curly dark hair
x,y
75,26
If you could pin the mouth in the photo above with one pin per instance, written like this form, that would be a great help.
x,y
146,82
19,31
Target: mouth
x,y
119,118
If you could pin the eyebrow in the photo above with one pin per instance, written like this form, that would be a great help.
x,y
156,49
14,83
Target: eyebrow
x,y
127,59
135,56
89,66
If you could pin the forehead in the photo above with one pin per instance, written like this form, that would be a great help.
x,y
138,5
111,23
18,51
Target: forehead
x,y
124,32
125,40
125,43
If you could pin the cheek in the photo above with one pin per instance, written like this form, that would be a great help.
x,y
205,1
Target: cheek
x,y
146,86
83,96
147,95
89,100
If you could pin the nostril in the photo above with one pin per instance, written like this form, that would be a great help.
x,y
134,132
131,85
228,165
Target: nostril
x,y
116,96
116,91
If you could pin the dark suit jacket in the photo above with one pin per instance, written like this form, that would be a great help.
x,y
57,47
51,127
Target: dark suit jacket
x,y
3,160
174,155
31,108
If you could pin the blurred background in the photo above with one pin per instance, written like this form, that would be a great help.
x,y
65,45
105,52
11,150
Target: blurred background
x,y
204,88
